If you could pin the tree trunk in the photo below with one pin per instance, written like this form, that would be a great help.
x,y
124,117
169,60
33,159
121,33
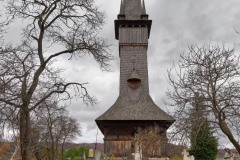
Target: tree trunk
x,y
52,147
229,134
62,147
37,152
25,134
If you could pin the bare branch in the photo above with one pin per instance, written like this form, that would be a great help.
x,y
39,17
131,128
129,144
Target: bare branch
x,y
213,73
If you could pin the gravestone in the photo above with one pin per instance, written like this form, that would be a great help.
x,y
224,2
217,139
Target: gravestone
x,y
186,155
97,155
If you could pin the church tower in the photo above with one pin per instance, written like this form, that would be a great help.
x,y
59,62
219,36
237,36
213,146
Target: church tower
x,y
134,107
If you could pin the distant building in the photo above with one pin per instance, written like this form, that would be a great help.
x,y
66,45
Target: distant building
x,y
134,107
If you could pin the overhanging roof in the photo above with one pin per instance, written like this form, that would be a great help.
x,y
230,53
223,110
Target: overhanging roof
x,y
142,109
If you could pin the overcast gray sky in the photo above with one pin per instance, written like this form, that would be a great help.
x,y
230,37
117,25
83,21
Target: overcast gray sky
x,y
176,24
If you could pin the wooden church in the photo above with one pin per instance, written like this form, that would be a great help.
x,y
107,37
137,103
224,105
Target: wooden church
x,y
134,107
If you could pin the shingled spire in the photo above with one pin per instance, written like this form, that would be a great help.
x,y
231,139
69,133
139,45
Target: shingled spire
x,y
134,107
144,14
132,10
121,14
143,8
122,7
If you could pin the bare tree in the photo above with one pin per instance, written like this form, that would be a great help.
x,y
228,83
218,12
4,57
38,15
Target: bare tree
x,y
147,141
70,130
212,72
53,129
51,28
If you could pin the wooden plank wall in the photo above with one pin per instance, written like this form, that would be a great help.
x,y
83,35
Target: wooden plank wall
x,y
118,148
133,35
123,149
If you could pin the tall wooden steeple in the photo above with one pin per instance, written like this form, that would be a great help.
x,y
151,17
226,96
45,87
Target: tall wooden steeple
x,y
134,107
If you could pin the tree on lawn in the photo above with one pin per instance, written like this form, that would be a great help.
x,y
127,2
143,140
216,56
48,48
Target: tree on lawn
x,y
51,29
213,73
52,129
204,145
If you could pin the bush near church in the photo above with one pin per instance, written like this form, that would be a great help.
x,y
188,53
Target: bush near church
x,y
76,153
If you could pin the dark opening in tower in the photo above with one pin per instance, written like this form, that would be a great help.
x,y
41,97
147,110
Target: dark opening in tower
x,y
134,81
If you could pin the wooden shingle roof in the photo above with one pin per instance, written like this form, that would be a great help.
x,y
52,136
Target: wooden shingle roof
x,y
133,104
